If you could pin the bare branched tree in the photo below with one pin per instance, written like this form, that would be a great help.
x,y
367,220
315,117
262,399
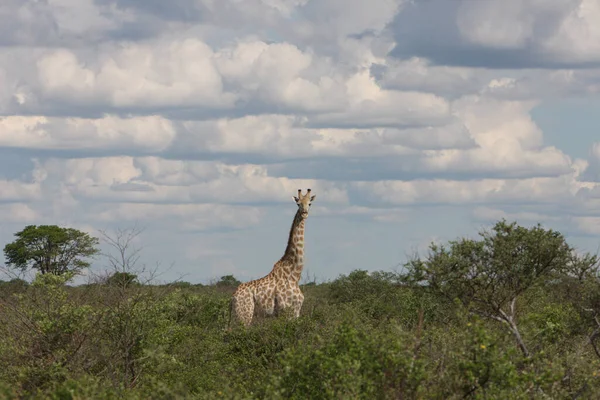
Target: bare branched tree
x,y
124,257
125,253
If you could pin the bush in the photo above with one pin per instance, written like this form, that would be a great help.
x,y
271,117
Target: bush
x,y
382,296
364,335
352,363
44,332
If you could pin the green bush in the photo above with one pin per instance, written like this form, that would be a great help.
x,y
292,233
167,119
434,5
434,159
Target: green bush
x,y
364,335
382,296
352,363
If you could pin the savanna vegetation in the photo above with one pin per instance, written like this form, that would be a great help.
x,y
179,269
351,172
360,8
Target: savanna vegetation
x,y
511,314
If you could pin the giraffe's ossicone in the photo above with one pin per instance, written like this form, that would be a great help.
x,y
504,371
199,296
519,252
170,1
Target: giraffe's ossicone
x,y
280,289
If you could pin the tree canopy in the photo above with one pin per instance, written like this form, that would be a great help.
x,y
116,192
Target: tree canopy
x,y
488,275
50,249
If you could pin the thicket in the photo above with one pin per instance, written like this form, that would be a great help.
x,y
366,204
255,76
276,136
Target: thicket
x,y
510,315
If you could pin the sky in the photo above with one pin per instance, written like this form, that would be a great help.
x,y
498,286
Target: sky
x,y
412,121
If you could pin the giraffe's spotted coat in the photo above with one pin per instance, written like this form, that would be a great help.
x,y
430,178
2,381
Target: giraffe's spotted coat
x,y
279,289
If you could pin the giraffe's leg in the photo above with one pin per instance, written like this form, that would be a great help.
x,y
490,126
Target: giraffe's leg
x,y
243,306
268,305
297,300
282,303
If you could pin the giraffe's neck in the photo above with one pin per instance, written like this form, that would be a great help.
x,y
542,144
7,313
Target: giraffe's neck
x,y
294,252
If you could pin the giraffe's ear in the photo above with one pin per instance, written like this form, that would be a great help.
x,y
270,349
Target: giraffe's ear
x,y
313,197
295,199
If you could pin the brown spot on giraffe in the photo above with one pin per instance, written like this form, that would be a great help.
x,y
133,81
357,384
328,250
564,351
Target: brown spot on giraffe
x,y
279,289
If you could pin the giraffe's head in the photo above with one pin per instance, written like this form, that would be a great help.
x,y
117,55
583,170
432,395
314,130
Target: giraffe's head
x,y
304,202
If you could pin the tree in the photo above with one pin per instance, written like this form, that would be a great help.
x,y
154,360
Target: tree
x,y
488,275
122,279
123,256
50,249
228,281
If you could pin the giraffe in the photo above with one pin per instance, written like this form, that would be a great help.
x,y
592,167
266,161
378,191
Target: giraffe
x,y
279,289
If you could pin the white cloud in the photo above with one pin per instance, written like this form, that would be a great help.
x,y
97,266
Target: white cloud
x,y
18,212
76,17
15,191
346,17
558,28
454,82
588,225
150,133
138,75
495,191
291,137
578,36
489,214
491,121
279,73
512,33
417,73
509,25
454,135
153,180
187,216
199,118
372,106
592,170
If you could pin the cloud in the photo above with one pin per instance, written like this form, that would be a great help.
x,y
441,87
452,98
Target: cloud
x,y
154,180
58,22
179,74
486,137
494,214
453,82
16,191
109,133
588,225
200,119
437,191
279,74
18,212
283,138
189,217
592,172
136,75
418,74
511,34
372,106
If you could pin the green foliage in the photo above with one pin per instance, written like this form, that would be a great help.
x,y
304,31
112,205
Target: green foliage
x,y
491,272
122,279
488,276
374,335
382,295
198,310
484,367
50,249
16,283
46,330
553,321
228,281
352,363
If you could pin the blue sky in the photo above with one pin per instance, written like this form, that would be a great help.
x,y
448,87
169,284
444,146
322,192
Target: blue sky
x,y
571,124
412,122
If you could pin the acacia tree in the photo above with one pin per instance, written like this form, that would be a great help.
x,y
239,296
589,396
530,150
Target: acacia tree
x,y
487,276
50,249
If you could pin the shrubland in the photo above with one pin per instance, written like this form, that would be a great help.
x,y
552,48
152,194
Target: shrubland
x,y
512,314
